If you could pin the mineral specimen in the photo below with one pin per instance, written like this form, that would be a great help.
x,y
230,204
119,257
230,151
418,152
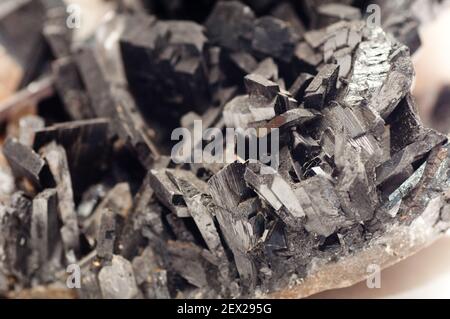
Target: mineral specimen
x,y
87,180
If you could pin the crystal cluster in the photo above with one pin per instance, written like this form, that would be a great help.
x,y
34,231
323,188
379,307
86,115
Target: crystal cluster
x,y
87,179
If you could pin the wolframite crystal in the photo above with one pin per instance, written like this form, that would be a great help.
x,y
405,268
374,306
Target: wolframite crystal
x,y
88,177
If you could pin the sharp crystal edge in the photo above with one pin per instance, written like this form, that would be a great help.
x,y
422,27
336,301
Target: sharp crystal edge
x,y
56,157
86,172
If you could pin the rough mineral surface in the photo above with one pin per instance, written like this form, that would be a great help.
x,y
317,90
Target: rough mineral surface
x,y
87,177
